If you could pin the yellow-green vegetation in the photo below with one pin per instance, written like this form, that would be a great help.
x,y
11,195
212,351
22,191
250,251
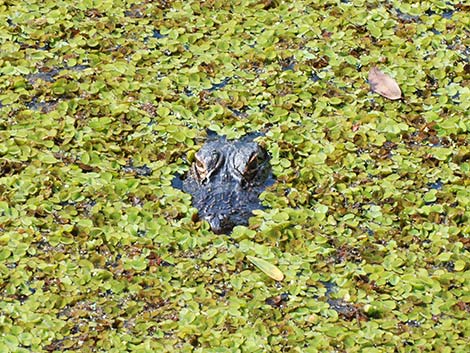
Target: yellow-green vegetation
x,y
103,102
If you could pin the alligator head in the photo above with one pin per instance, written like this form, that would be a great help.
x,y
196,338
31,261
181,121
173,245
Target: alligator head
x,y
226,179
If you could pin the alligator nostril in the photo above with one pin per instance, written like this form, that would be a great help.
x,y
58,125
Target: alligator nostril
x,y
216,225
220,224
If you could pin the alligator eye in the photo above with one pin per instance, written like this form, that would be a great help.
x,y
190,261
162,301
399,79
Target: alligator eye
x,y
207,163
252,162
251,166
247,163
201,169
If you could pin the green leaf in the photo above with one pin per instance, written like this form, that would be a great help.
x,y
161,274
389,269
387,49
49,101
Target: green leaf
x,y
441,153
268,268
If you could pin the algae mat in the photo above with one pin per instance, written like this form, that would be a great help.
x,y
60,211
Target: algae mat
x,y
364,242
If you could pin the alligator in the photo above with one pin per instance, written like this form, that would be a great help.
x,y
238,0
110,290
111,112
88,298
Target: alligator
x,y
226,179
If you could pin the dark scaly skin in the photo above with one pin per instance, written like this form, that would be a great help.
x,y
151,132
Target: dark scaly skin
x,y
226,179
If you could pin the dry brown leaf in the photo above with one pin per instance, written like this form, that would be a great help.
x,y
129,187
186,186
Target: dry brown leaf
x,y
383,84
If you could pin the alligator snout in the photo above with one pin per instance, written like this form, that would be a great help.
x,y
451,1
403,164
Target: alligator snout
x,y
220,223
